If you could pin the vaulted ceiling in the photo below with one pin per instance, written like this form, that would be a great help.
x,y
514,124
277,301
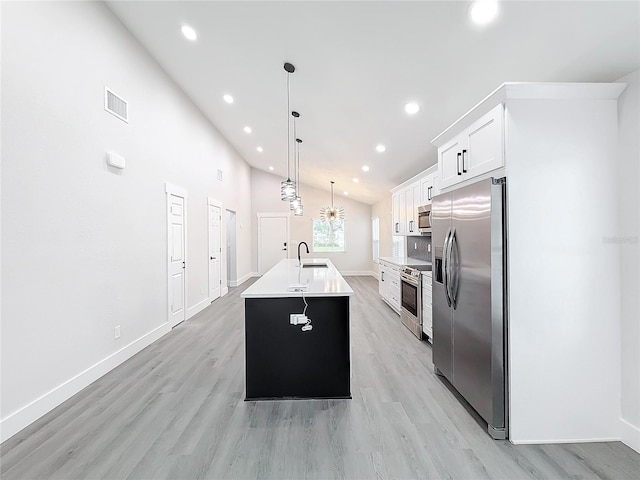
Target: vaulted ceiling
x,y
357,65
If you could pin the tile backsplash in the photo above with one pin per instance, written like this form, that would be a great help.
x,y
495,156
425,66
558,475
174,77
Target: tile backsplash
x,y
419,247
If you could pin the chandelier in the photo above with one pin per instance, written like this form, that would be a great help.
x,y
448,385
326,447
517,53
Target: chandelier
x,y
288,187
332,215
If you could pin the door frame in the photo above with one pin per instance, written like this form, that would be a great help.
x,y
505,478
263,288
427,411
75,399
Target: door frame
x,y
223,290
231,228
171,189
284,215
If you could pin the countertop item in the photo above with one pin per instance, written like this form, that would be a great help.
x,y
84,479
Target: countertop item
x,y
406,261
316,277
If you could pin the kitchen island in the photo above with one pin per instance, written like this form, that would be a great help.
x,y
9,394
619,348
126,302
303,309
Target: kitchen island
x,y
289,357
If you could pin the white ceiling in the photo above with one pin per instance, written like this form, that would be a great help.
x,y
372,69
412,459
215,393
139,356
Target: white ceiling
x,y
358,63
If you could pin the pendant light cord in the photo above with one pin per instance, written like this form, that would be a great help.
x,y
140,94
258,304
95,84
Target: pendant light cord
x,y
288,126
332,195
298,142
295,149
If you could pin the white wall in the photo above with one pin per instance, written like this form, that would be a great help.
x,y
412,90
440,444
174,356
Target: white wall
x,y
84,246
628,181
265,198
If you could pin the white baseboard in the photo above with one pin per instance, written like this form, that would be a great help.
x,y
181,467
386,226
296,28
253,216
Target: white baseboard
x,y
564,440
241,280
197,308
28,414
224,291
357,273
630,435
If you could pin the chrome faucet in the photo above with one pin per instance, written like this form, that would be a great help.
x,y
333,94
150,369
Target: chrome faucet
x,y
306,246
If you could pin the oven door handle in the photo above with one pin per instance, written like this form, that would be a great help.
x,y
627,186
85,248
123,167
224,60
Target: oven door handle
x,y
445,266
409,279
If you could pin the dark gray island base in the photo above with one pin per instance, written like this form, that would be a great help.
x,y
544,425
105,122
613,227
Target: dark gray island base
x,y
282,361
311,359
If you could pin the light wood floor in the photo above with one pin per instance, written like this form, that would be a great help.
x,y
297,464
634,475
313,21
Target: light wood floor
x,y
177,410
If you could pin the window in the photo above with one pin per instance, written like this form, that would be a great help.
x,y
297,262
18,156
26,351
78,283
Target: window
x,y
328,237
375,236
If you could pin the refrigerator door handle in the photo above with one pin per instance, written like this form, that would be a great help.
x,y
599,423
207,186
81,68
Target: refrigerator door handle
x,y
450,278
454,260
445,266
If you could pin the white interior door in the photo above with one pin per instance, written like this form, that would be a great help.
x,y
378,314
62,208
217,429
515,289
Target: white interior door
x,y
176,221
273,240
215,249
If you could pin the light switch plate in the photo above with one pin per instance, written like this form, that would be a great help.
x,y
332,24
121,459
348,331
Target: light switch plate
x,y
115,160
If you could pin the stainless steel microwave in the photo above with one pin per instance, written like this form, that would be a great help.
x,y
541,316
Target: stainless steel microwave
x,y
424,219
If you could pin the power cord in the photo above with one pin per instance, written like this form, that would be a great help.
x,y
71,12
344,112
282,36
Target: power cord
x,y
307,327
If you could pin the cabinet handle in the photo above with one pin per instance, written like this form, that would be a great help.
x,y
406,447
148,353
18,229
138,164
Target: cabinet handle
x,y
382,276
397,227
410,225
429,193
464,156
458,163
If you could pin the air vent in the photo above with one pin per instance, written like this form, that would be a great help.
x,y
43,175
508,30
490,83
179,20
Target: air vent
x,y
219,175
116,105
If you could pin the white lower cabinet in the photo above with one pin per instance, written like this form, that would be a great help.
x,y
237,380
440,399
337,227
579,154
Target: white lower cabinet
x,y
427,318
389,284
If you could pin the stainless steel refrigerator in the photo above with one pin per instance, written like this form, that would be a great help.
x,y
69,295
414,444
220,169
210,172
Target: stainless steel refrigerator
x,y
469,297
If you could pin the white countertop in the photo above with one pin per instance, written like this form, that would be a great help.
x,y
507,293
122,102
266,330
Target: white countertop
x,y
402,261
286,275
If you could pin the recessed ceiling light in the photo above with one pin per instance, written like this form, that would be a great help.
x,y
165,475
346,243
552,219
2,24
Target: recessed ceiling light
x,y
412,108
483,11
355,180
259,149
189,33
365,168
271,168
247,129
346,193
380,148
228,98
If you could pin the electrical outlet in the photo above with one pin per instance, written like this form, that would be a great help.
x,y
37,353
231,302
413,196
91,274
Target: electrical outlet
x,y
428,247
116,332
297,319
415,245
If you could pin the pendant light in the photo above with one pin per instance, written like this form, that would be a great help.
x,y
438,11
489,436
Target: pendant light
x,y
288,188
332,215
298,210
296,155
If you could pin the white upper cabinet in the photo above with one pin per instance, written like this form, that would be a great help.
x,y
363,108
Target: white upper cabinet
x,y
402,207
478,149
412,202
395,214
449,159
429,188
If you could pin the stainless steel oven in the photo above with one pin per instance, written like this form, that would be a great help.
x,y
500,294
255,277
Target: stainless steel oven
x,y
424,219
411,300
